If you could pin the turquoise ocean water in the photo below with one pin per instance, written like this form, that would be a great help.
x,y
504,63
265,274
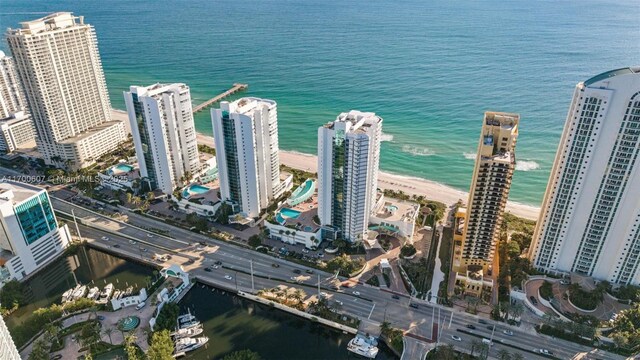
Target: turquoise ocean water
x,y
429,68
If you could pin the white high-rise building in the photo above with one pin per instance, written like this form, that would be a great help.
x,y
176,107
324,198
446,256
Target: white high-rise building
x,y
59,66
590,217
348,158
11,94
30,236
7,347
247,152
164,134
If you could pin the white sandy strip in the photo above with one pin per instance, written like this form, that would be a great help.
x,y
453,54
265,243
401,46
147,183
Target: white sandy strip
x,y
410,185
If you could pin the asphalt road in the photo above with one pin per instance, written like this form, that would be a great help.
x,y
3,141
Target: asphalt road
x,y
371,303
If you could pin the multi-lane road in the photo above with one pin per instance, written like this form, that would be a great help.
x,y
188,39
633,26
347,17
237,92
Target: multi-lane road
x,y
370,303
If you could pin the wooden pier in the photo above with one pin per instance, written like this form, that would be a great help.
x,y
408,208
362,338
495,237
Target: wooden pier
x,y
236,87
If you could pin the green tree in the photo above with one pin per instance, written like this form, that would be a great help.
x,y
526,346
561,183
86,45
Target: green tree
x,y
130,347
39,351
503,354
243,355
12,294
89,334
167,318
255,241
161,347
108,331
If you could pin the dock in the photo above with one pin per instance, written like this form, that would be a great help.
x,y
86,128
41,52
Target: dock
x,y
236,87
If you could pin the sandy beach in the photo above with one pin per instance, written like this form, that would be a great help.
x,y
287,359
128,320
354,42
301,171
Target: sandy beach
x,y
410,185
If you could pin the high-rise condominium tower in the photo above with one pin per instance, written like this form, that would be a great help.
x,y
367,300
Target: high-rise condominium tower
x,y
164,134
246,139
59,66
590,218
495,162
16,127
9,350
348,158
30,236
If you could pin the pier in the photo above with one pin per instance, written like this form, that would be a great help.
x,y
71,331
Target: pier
x,y
236,87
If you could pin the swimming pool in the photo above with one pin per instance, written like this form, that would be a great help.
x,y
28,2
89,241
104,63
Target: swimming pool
x,y
302,193
289,213
391,208
194,189
120,169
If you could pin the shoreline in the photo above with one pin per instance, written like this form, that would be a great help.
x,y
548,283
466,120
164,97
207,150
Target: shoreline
x,y
386,180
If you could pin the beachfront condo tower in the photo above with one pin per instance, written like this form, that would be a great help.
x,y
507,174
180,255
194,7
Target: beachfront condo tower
x,y
246,137
589,223
16,127
164,134
59,67
348,158
9,350
495,162
30,236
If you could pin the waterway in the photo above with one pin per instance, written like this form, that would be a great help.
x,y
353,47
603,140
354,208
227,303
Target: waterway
x,y
231,323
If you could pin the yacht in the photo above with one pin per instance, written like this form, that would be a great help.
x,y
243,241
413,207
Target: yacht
x,y
360,346
117,294
185,345
68,295
187,333
79,293
189,324
105,294
186,317
94,292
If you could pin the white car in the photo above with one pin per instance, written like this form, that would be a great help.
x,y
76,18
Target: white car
x,y
456,338
507,332
356,293
545,352
215,266
339,302
105,238
149,235
132,242
305,251
228,277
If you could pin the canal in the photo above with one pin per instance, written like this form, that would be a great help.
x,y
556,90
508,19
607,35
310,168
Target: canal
x,y
231,323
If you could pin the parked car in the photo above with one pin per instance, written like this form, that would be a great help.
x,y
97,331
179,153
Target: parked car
x,y
533,300
140,305
565,282
414,305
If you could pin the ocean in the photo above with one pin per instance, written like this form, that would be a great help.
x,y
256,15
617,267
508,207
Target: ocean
x,y
429,68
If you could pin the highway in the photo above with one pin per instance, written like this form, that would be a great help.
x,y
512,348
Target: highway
x,y
372,303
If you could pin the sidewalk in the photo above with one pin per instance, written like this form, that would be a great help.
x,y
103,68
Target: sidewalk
x,y
438,275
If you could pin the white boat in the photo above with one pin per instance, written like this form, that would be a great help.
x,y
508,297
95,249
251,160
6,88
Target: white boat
x,y
186,317
105,294
117,294
79,293
360,346
190,344
68,295
190,332
189,324
94,292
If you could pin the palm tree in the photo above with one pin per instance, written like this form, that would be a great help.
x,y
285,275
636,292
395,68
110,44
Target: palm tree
x,y
108,331
516,310
517,356
503,354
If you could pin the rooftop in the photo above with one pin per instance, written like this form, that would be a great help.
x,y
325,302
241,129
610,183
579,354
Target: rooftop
x,y
20,191
54,21
358,120
397,210
301,216
612,73
94,130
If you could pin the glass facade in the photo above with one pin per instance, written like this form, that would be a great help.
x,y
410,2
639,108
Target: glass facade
x,y
146,142
35,217
338,195
231,157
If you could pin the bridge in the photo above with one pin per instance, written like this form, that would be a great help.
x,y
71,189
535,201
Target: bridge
x,y
236,87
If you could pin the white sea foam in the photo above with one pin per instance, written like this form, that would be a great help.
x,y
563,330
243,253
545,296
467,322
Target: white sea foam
x,y
527,165
417,150
386,137
469,155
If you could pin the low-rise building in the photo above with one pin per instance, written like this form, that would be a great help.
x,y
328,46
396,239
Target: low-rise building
x,y
394,216
121,176
129,299
30,236
16,131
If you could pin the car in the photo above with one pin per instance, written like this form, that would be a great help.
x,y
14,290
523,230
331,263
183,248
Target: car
x,y
394,296
490,327
143,249
469,326
215,266
456,338
482,321
565,282
293,278
320,255
140,305
544,351
323,294
218,262
132,242
149,235
228,277
275,265
309,271
339,302
533,300
297,271
105,238
507,332
306,251
487,342
117,246
100,317
356,293
414,305
208,269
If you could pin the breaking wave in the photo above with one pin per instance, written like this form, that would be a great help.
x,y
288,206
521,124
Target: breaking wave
x,y
418,150
527,165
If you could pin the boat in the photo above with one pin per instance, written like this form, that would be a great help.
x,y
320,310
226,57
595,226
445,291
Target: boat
x,y
186,317
94,292
360,346
189,344
189,324
68,295
190,332
79,293
117,294
105,294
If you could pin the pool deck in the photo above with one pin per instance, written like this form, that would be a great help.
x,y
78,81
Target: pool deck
x,y
405,210
211,196
308,210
